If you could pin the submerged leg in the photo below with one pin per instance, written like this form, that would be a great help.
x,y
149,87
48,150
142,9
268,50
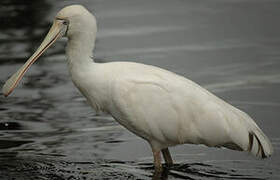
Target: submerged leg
x,y
167,157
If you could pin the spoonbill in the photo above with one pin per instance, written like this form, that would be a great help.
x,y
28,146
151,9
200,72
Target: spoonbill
x,y
162,107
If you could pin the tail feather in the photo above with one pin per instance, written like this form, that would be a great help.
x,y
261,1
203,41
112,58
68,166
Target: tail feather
x,y
259,144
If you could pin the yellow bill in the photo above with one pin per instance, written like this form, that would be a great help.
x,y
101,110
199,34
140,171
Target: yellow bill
x,y
57,30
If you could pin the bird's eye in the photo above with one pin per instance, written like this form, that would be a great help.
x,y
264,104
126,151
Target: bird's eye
x,y
65,22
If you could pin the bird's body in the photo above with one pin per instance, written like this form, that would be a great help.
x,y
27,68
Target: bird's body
x,y
162,107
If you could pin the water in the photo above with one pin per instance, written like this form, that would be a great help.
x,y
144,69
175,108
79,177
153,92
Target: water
x,y
48,131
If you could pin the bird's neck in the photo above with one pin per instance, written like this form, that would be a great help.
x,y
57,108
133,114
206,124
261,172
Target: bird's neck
x,y
79,50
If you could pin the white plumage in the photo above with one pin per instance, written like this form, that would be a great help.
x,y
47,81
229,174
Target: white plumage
x,y
160,106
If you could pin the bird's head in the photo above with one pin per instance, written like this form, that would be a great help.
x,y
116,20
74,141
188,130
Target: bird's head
x,y
72,21
75,20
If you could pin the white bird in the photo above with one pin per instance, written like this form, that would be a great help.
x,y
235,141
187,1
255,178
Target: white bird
x,y
162,107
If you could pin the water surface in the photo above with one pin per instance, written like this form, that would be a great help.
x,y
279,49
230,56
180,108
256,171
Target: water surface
x,y
48,131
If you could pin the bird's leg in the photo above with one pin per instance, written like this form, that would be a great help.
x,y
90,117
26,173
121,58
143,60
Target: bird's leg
x,y
157,161
167,157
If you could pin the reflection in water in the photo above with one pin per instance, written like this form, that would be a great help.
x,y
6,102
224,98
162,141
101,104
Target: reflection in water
x,y
20,22
10,126
20,14
4,144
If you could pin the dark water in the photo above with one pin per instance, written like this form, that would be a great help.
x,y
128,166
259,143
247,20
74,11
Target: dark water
x,y
47,130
